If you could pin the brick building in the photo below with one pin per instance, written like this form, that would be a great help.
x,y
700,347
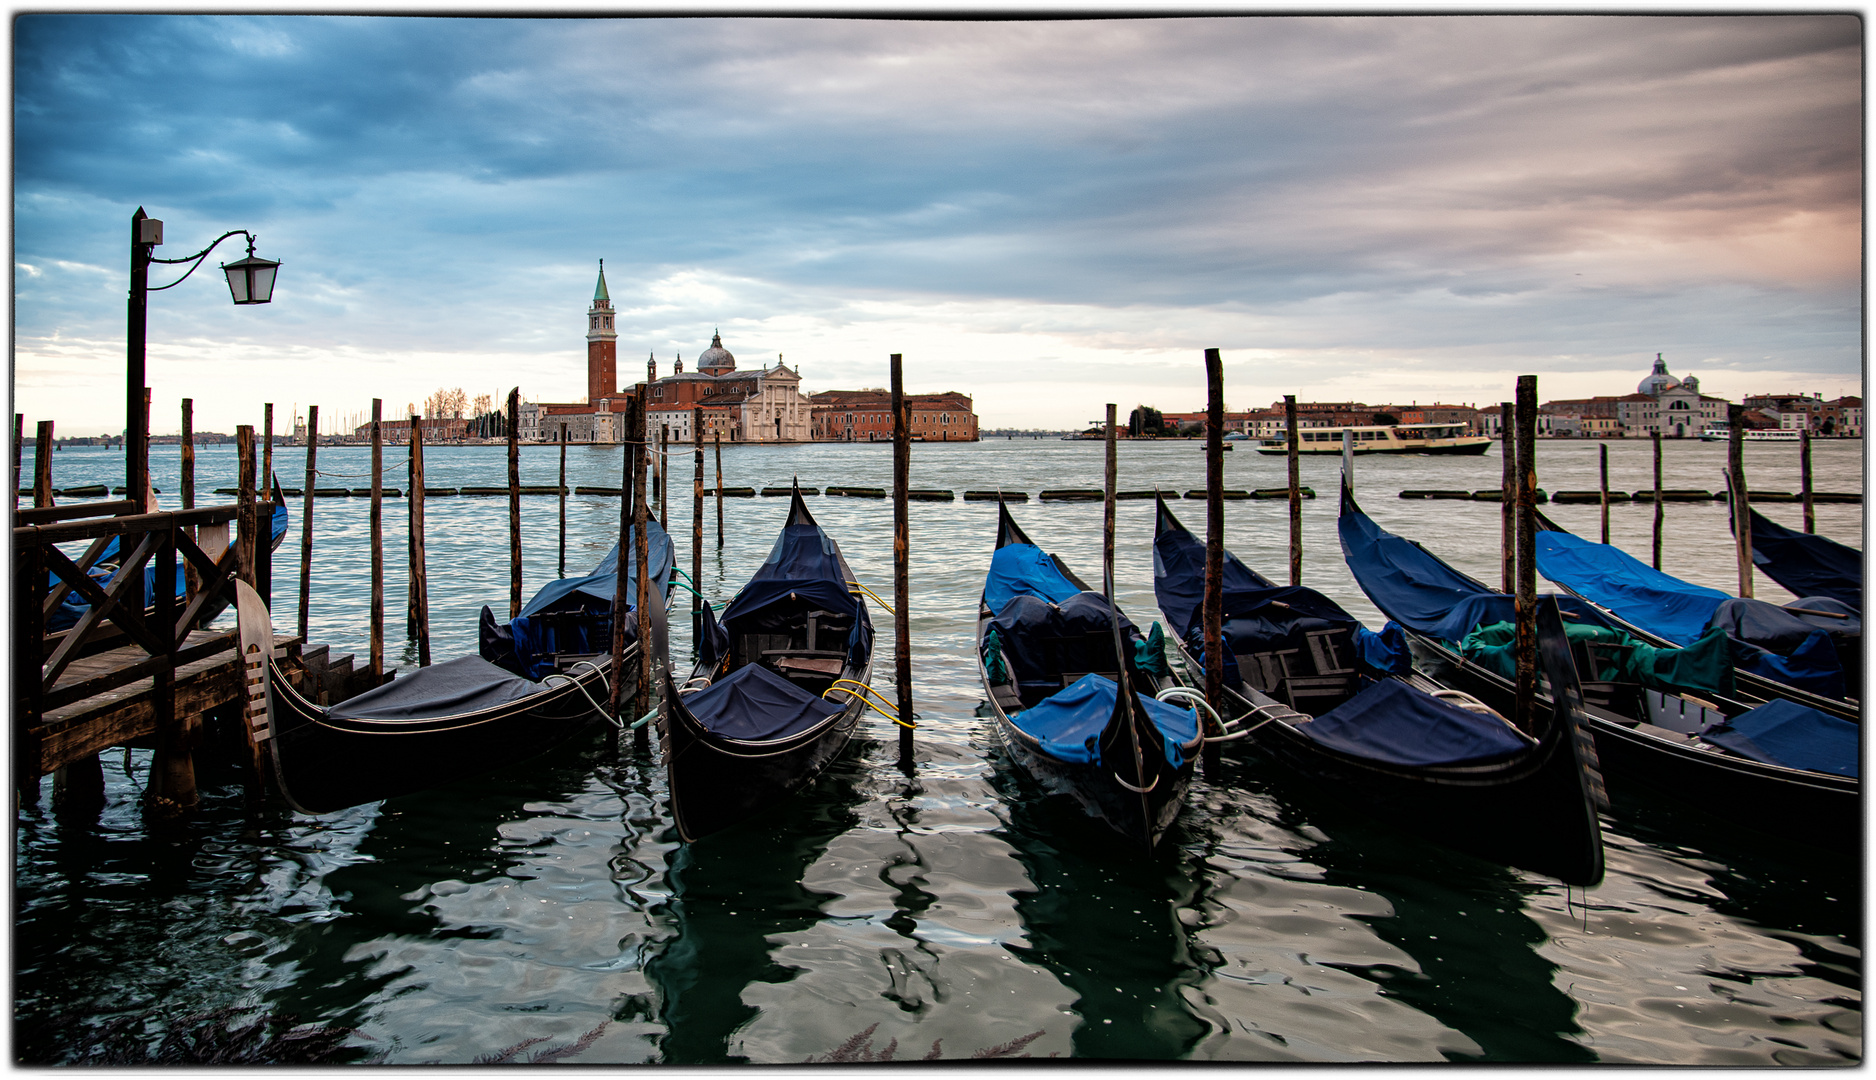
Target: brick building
x,y
866,416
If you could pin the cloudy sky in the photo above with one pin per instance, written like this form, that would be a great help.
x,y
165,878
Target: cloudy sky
x,y
1047,215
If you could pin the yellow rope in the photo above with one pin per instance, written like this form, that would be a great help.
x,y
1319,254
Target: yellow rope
x,y
893,715
875,597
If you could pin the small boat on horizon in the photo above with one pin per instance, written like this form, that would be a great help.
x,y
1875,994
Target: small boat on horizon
x,y
1435,439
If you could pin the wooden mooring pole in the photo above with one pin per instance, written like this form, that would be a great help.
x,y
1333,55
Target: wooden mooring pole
x,y
267,447
562,489
641,550
306,518
514,504
696,526
1603,450
419,574
1655,437
1508,497
188,453
901,556
1295,455
664,476
621,596
1526,551
42,465
19,440
1804,479
376,666
1739,499
146,495
247,519
718,439
1212,610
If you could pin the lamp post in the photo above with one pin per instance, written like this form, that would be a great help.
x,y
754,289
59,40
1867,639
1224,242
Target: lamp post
x,y
250,281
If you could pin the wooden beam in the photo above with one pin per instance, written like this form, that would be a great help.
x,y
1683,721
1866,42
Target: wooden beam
x,y
1294,454
1526,552
514,503
42,466
376,664
306,518
901,556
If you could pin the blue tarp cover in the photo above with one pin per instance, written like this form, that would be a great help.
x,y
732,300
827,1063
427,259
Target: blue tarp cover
x,y
1789,734
1024,570
1765,638
1069,723
1385,652
574,615
755,704
804,563
1043,641
1659,603
1417,590
1393,722
1770,641
1807,564
465,685
1179,578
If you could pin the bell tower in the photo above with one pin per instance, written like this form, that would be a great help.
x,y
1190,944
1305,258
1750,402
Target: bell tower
x,y
602,343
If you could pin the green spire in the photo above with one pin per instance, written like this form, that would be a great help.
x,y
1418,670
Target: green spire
x,y
600,292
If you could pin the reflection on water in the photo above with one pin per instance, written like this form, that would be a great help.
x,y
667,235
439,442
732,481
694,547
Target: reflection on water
x,y
548,909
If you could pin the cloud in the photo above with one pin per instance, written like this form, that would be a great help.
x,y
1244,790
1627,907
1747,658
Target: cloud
x,y
1544,193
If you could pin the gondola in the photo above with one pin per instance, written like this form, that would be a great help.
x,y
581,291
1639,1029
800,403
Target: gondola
x,y
1809,651
1779,768
464,716
1073,710
1335,702
778,687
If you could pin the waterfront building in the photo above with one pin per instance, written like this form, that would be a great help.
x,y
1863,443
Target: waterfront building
x,y
866,416
1844,417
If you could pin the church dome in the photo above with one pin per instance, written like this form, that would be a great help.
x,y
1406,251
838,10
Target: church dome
x,y
716,358
1658,380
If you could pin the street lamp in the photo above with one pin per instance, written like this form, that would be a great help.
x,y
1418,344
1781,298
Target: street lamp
x,y
250,281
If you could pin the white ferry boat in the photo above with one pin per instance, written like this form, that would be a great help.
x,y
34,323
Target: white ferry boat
x,y
1384,439
1718,433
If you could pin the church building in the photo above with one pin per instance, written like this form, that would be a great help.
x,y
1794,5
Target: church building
x,y
760,405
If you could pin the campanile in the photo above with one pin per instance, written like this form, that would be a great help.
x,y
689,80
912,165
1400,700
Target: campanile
x,y
602,343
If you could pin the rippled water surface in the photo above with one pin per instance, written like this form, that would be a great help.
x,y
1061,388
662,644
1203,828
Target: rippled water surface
x,y
546,911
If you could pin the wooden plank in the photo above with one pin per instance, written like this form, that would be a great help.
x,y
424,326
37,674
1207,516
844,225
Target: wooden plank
x,y
94,675
128,714
65,532
48,515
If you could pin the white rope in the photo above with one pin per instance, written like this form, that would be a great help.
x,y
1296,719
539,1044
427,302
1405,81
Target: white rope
x,y
1136,790
582,689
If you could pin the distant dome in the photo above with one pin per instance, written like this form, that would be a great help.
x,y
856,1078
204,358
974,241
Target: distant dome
x,y
1658,380
716,358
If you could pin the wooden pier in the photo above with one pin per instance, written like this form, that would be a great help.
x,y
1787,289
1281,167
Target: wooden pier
x,y
137,669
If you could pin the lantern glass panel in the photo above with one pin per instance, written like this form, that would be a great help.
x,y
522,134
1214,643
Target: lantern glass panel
x,y
263,290
237,282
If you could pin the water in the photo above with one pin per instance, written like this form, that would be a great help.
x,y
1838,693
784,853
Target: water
x,y
548,912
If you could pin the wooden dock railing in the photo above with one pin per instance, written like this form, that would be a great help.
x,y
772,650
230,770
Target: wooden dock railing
x,y
131,632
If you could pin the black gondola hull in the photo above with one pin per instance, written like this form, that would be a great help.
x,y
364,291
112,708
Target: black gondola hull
x,y
324,765
1141,817
1528,813
1813,808
716,782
